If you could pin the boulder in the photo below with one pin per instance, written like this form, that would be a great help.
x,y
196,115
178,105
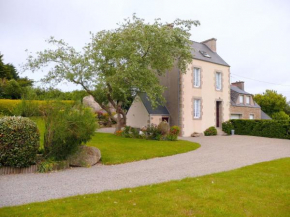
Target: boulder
x,y
90,102
195,134
86,156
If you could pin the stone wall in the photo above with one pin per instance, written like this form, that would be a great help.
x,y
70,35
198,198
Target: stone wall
x,y
246,111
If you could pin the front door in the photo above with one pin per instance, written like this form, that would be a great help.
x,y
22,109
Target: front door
x,y
218,114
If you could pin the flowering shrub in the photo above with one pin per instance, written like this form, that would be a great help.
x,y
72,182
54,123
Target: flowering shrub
x,y
173,133
119,133
152,132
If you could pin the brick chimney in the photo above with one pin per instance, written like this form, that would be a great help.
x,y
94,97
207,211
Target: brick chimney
x,y
211,43
239,84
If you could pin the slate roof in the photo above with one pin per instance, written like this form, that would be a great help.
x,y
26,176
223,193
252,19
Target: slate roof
x,y
214,57
235,92
159,110
264,116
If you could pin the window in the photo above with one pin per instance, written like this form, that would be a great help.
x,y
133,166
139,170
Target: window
x,y
196,77
241,97
205,54
218,80
251,117
197,108
236,116
247,99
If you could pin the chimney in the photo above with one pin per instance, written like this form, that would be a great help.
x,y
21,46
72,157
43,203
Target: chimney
x,y
239,84
211,43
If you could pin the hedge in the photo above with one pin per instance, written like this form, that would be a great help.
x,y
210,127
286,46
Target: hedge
x,y
264,128
25,108
19,142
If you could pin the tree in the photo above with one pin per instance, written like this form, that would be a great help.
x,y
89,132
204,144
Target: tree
x,y
118,63
287,108
281,115
271,102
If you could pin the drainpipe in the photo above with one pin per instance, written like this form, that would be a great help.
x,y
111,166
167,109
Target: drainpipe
x,y
178,96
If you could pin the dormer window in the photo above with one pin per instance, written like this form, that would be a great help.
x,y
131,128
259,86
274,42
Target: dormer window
x,y
247,99
241,98
205,54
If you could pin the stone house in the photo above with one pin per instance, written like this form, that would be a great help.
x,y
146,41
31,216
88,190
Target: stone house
x,y
197,99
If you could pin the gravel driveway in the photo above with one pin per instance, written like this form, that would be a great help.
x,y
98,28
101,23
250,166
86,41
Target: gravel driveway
x,y
216,154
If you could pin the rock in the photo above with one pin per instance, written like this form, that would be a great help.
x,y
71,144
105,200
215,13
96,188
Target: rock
x,y
86,156
195,134
90,102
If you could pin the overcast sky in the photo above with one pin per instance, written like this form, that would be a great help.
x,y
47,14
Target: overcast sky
x,y
253,36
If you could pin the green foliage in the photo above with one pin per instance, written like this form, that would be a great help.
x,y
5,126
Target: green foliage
x,y
66,129
152,132
118,63
130,132
173,133
27,108
271,102
164,127
264,128
51,165
227,127
19,142
281,115
12,90
211,131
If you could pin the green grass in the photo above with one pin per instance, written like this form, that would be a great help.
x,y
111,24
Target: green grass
x,y
116,150
259,190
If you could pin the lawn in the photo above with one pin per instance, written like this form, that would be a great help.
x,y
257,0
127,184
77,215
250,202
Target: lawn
x,y
259,190
116,150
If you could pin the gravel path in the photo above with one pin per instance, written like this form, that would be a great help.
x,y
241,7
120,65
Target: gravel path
x,y
216,154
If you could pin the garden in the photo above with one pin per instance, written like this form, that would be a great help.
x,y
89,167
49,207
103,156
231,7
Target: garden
x,y
53,134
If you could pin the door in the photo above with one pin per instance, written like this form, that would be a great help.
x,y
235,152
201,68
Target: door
x,y
165,119
218,114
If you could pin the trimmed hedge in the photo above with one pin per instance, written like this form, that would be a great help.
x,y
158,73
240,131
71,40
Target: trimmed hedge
x,y
19,142
26,108
263,128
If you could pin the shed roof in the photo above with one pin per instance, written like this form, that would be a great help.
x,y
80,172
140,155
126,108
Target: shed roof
x,y
160,110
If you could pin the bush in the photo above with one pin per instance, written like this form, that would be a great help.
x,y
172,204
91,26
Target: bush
x,y
152,132
173,133
264,128
164,127
19,142
211,131
66,129
227,127
129,132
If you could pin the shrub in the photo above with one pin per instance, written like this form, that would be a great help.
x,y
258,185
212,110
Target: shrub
x,y
152,132
227,127
130,132
19,142
28,108
66,129
164,127
211,131
173,133
7,106
264,128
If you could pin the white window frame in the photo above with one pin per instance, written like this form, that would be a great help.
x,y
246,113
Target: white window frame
x,y
196,74
218,81
241,99
248,100
251,115
197,108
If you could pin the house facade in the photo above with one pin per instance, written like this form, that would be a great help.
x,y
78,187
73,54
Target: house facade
x,y
243,105
198,99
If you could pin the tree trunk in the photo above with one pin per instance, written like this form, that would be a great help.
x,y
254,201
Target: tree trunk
x,y
121,121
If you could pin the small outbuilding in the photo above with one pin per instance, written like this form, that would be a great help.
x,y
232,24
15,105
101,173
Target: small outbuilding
x,y
141,112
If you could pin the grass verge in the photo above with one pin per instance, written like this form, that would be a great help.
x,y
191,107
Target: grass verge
x,y
259,190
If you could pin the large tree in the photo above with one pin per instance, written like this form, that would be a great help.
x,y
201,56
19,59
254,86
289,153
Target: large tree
x,y
120,62
271,102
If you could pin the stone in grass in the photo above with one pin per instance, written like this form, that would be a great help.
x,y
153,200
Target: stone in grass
x,y
86,156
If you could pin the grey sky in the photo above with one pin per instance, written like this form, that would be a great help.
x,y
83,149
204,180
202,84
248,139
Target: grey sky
x,y
253,35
